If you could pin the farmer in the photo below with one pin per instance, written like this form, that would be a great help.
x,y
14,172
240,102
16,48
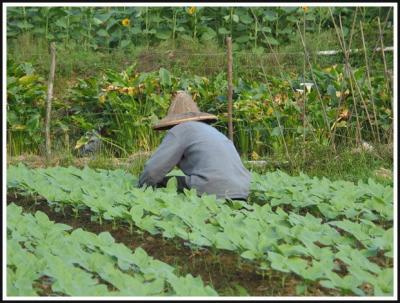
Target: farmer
x,y
208,158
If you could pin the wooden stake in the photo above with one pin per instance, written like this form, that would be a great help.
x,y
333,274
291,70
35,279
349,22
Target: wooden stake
x,y
230,86
383,53
277,117
315,81
349,74
49,99
369,83
388,79
345,51
304,90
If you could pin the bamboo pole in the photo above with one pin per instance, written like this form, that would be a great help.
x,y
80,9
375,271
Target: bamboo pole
x,y
369,82
49,99
352,29
277,117
383,53
349,73
376,48
315,81
343,46
285,76
387,76
357,86
230,86
304,91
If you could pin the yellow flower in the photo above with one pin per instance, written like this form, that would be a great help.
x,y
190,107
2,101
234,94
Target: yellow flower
x,y
270,111
131,91
111,88
344,114
192,10
305,8
126,22
255,156
102,99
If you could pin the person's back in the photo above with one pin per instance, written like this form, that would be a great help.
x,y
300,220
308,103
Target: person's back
x,y
208,158
210,161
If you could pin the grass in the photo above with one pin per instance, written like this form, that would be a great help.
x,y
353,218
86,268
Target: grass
x,y
347,163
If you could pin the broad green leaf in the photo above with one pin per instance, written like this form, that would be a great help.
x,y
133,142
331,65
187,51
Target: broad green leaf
x,y
102,33
165,77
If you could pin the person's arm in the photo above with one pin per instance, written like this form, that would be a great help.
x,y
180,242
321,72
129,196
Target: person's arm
x,y
167,155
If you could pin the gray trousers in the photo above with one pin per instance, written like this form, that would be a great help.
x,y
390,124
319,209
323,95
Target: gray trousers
x,y
181,184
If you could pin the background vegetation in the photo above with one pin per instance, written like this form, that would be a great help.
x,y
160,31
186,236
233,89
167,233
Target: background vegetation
x,y
118,66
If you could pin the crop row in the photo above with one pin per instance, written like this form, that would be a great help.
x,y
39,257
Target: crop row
x,y
80,263
333,199
338,254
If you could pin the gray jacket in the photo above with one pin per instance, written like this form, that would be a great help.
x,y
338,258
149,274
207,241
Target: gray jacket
x,y
207,157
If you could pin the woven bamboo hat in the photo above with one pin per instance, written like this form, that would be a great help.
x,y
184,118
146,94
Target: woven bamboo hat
x,y
183,109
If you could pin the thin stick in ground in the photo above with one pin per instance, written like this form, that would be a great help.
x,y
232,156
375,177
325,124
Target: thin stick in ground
x,y
388,80
49,99
352,77
230,86
315,81
304,92
358,138
383,53
369,83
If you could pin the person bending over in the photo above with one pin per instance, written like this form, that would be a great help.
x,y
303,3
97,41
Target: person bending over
x,y
207,157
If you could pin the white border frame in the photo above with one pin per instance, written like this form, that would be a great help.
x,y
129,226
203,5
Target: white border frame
x,y
201,4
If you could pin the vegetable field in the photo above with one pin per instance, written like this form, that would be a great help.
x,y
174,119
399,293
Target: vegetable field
x,y
326,237
305,92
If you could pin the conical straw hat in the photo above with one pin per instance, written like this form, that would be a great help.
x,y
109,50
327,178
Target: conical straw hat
x,y
183,109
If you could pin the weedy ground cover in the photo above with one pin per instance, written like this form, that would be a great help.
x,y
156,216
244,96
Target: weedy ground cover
x,y
333,233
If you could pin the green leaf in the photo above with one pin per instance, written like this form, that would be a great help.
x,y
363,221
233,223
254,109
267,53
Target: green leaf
x,y
102,33
270,16
125,43
208,34
246,19
136,213
165,77
82,141
276,131
42,218
271,41
301,289
24,25
241,290
223,31
106,237
163,34
248,254
97,21
61,23
331,90
345,31
266,29
297,265
278,261
242,39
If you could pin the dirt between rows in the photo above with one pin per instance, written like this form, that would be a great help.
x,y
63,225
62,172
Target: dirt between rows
x,y
225,271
